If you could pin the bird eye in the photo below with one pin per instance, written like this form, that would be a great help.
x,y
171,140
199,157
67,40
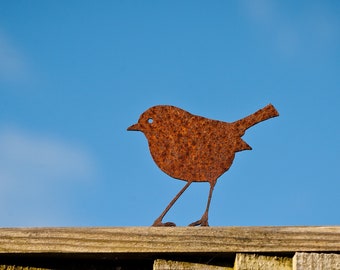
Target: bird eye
x,y
150,120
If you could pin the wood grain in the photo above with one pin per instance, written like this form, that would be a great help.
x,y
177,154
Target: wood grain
x,y
170,265
245,261
160,240
316,261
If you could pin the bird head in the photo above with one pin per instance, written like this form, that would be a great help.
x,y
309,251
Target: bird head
x,y
158,118
146,121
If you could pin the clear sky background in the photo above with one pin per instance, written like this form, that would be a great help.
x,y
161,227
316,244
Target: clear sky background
x,y
75,74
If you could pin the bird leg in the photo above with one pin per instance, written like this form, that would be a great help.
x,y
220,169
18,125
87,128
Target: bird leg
x,y
158,221
204,219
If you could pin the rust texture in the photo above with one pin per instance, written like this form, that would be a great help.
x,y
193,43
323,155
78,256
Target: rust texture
x,y
194,148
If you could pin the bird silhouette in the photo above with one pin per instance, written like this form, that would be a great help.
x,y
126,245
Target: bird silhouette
x,y
194,148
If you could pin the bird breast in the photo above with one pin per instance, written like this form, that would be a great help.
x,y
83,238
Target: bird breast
x,y
199,150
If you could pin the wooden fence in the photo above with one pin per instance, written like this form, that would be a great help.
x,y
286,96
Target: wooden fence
x,y
239,248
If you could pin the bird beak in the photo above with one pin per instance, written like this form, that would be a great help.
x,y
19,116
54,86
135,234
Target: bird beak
x,y
134,127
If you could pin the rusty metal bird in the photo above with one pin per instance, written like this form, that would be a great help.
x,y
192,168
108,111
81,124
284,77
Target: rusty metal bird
x,y
194,148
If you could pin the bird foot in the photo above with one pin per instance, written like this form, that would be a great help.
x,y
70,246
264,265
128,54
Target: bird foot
x,y
201,222
161,224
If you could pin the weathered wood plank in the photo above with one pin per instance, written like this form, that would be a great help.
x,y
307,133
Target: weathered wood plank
x,y
260,262
170,265
169,240
316,261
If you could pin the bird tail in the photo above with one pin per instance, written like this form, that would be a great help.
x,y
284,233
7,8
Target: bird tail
x,y
263,114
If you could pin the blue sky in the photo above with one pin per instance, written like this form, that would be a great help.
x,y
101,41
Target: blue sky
x,y
75,74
